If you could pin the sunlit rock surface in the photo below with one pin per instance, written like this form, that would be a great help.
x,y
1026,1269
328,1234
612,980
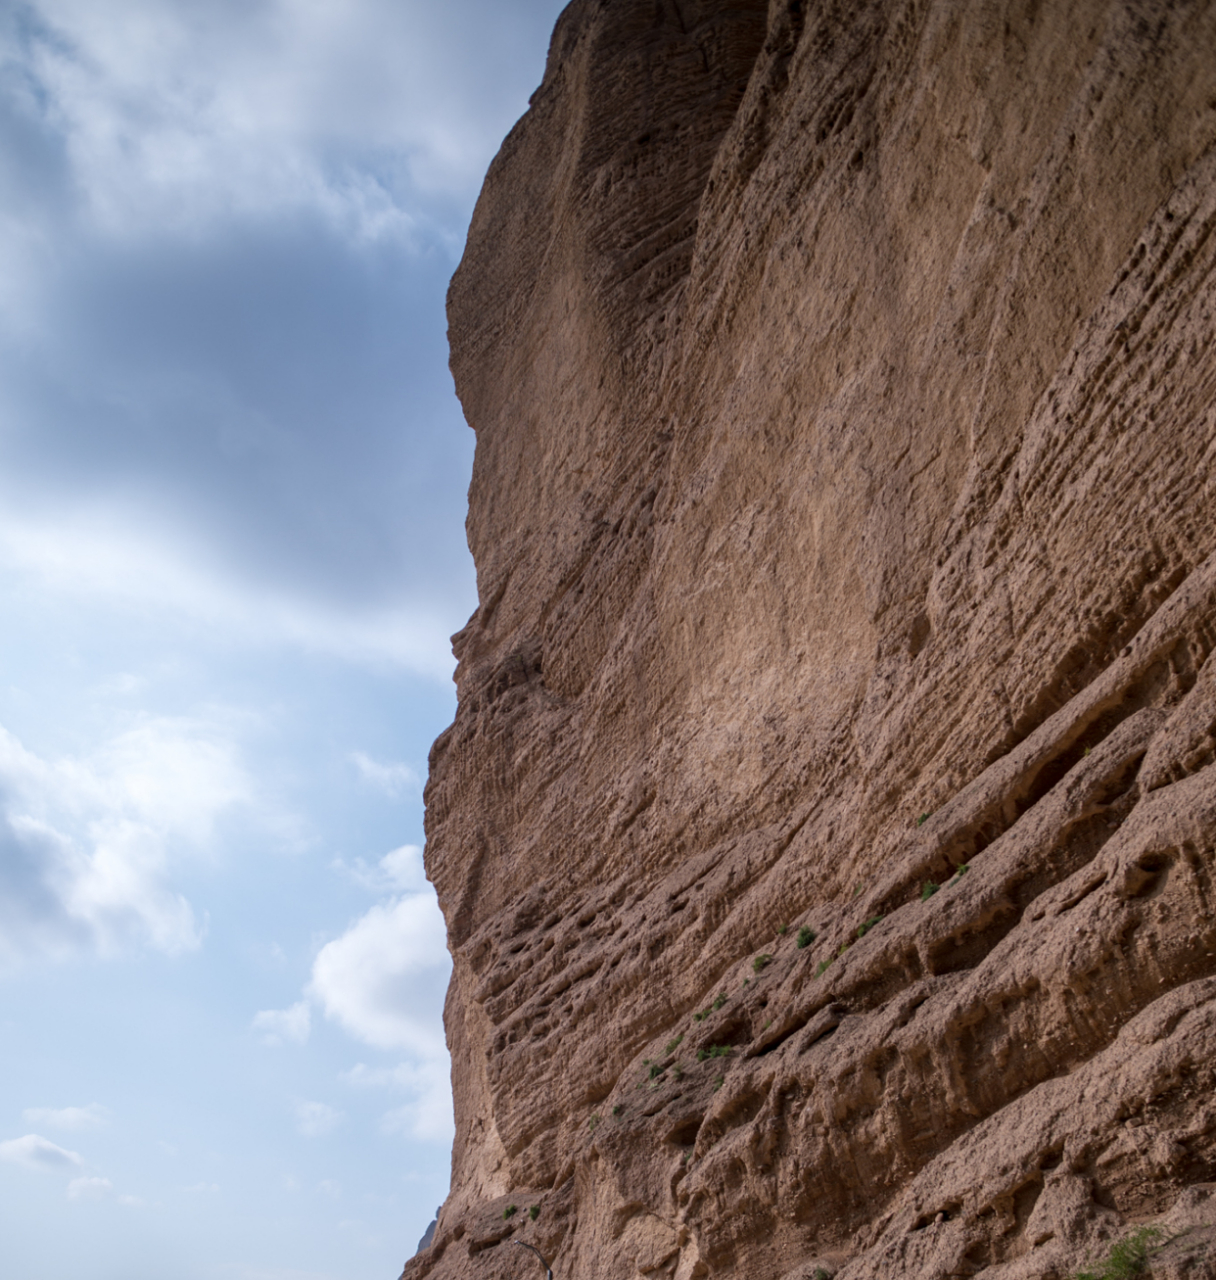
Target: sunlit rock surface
x,y
844,385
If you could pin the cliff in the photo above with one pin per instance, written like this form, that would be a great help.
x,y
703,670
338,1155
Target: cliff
x,y
826,833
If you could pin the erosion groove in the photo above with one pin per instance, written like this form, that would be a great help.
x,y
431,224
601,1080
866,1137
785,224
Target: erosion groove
x,y
827,831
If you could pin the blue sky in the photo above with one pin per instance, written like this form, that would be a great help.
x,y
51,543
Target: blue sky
x,y
232,495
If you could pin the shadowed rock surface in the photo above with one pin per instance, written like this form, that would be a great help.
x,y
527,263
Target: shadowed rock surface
x,y
844,381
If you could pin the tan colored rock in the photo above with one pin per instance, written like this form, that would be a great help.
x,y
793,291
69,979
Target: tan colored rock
x,y
844,381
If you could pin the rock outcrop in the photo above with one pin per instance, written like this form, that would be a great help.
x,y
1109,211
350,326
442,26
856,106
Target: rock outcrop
x,y
826,833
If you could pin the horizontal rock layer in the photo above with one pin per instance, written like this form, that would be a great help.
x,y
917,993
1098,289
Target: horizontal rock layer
x,y
826,832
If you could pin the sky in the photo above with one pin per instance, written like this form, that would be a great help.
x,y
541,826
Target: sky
x,y
232,499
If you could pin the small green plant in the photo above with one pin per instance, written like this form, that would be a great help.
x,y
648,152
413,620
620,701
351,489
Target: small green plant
x,y
857,890
806,936
656,1071
673,1045
768,1024
616,1111
1127,1257
718,1082
821,966
928,889
714,1051
720,1001
863,929
784,930
959,872
821,1273
677,1072
844,946
747,982
509,1212
1087,751
760,961
534,1212
645,1062
592,1120
924,817
700,1017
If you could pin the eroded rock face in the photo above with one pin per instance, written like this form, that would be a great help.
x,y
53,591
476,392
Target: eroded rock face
x,y
844,382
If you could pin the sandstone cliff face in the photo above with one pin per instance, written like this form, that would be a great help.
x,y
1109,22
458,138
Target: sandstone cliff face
x,y
844,382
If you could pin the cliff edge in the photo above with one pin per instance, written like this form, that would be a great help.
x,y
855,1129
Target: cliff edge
x,y
826,833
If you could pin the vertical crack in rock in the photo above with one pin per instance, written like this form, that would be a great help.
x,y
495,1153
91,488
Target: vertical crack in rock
x,y
826,833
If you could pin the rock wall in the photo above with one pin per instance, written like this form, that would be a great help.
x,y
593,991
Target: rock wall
x,y
826,833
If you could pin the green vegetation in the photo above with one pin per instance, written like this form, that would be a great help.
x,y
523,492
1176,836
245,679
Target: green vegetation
x,y
863,929
700,1017
924,817
534,1212
677,1072
768,1024
760,961
714,1051
784,930
673,1045
805,937
718,1082
821,966
510,1211
928,889
616,1111
1127,1258
593,1119
821,1273
656,1071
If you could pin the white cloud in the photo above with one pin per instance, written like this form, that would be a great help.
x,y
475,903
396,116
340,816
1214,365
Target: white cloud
x,y
90,1188
277,1025
400,870
70,1119
427,1116
91,842
392,778
36,1152
384,979
315,1119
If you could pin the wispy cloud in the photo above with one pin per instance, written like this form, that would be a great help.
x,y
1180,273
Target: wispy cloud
x,y
316,1119
68,1119
397,872
391,777
90,1188
278,1025
35,1152
104,557
427,1113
